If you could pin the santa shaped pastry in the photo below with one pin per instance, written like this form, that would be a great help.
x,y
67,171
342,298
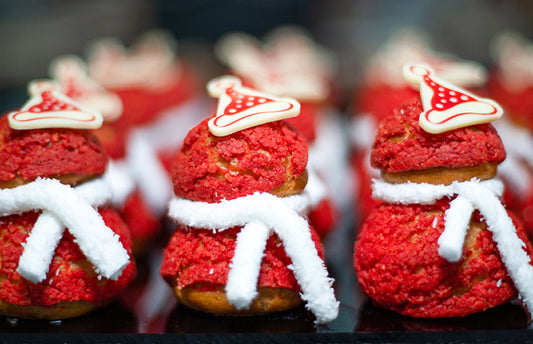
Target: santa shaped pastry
x,y
384,89
288,63
441,243
143,221
65,251
511,84
243,245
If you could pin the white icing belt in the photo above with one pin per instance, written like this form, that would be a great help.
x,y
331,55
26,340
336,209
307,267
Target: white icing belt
x,y
63,206
259,214
471,195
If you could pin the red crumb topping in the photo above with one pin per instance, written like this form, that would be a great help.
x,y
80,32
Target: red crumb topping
x,y
142,223
48,152
258,159
380,101
50,102
305,122
70,278
398,265
198,256
402,145
142,105
518,104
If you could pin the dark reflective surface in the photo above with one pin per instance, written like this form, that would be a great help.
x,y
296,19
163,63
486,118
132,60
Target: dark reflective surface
x,y
185,320
504,317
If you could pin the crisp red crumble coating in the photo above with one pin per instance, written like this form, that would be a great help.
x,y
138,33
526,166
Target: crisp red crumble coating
x,y
402,145
29,154
397,263
70,277
201,259
257,159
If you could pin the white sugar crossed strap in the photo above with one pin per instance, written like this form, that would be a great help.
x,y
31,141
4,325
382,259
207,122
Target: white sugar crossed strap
x,y
64,206
260,213
474,194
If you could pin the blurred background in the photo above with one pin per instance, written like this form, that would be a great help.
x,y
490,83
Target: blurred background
x,y
32,32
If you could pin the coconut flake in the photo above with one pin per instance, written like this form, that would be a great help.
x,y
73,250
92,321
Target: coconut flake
x,y
293,230
64,206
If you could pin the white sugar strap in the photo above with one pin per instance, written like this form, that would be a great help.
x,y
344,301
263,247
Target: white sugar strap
x,y
262,211
243,275
457,219
39,247
423,193
471,195
63,207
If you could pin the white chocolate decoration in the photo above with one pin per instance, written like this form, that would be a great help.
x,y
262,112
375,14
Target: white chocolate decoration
x,y
240,107
470,195
446,106
48,108
259,214
71,73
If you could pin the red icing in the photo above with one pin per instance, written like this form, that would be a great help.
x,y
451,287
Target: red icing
x,y
241,102
257,159
48,152
443,98
70,277
202,257
51,103
402,145
398,266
